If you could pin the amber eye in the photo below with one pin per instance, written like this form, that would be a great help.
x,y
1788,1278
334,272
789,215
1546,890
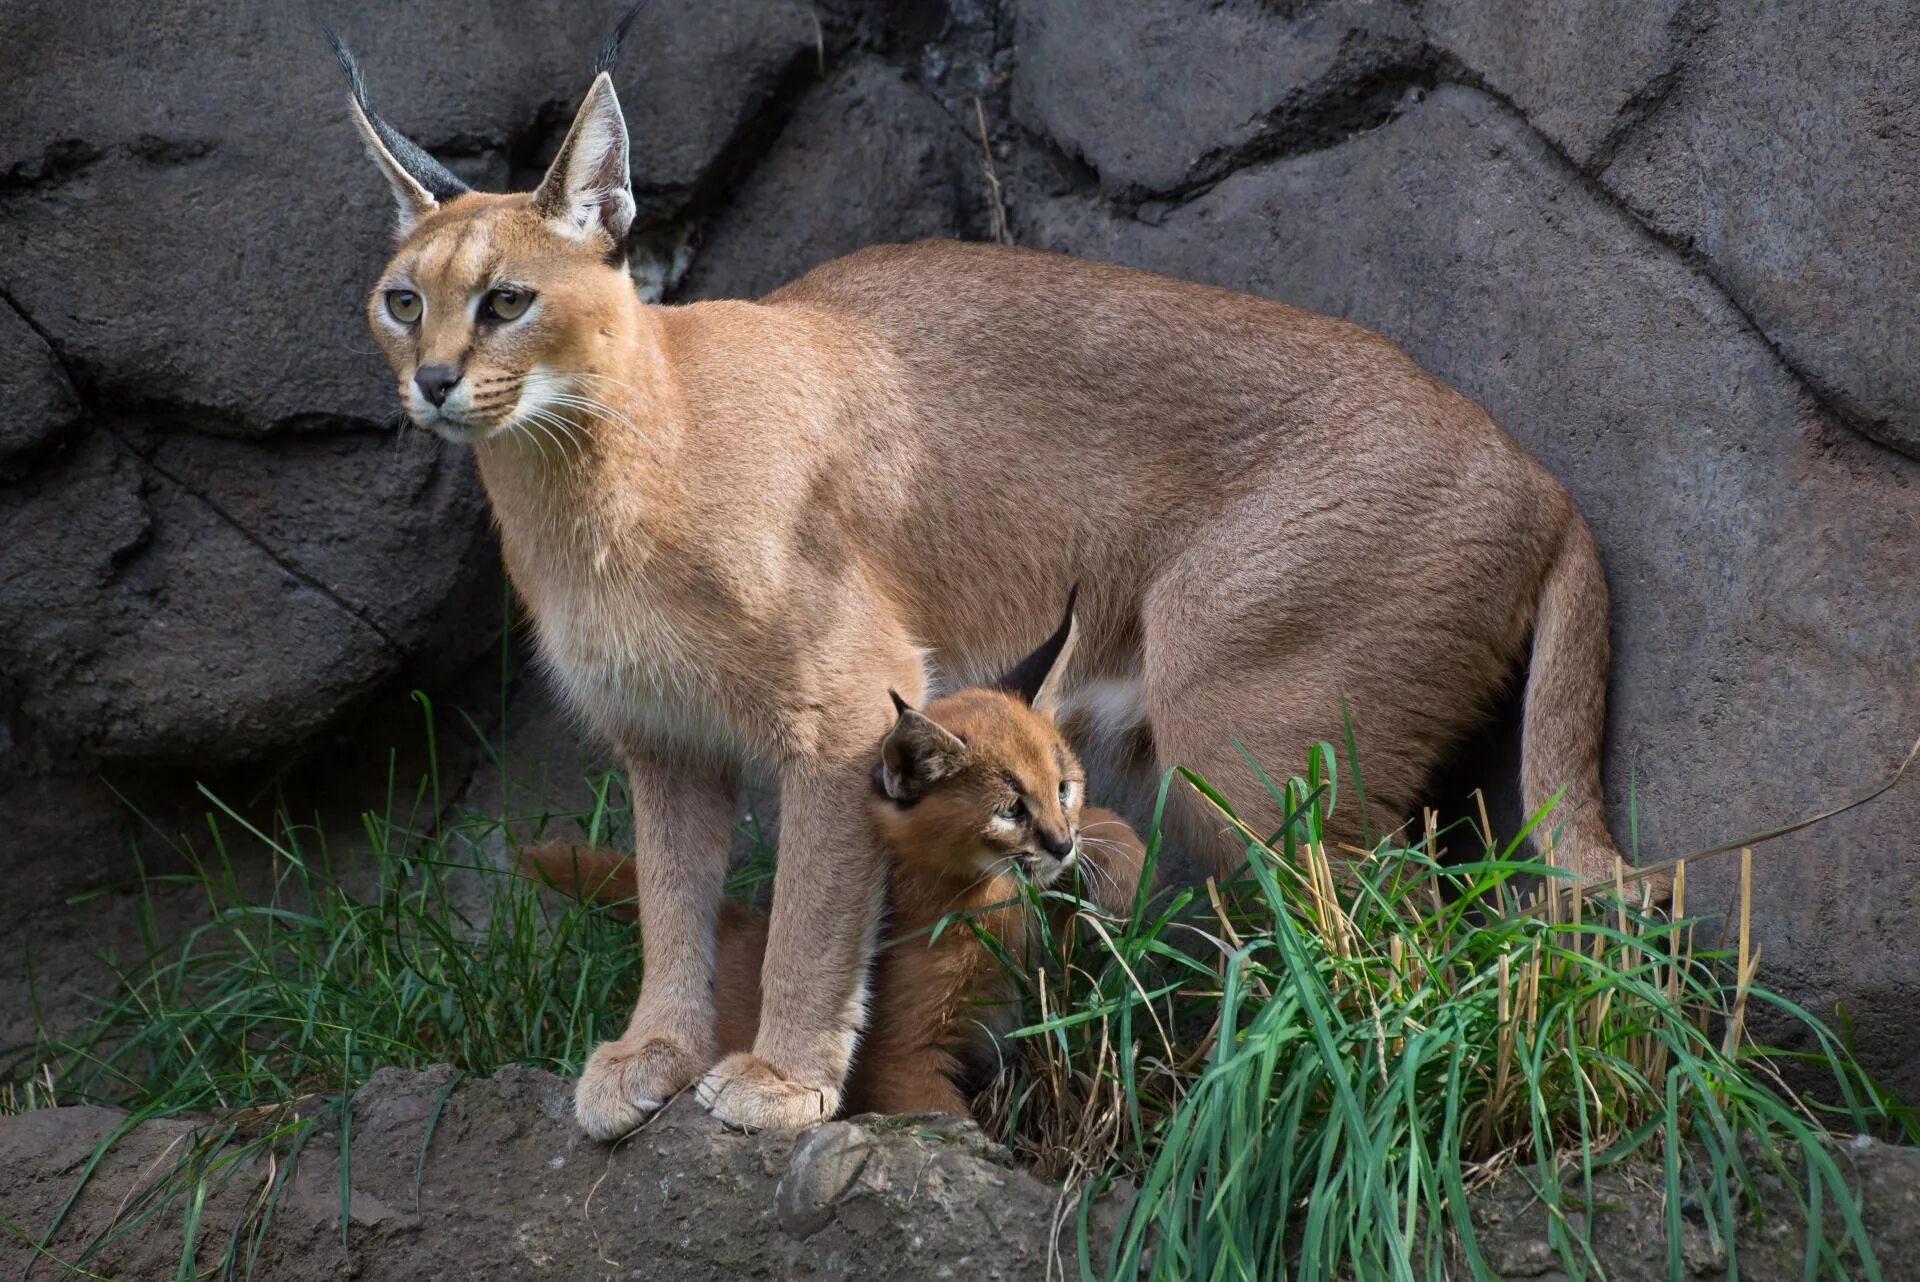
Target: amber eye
x,y
505,304
403,305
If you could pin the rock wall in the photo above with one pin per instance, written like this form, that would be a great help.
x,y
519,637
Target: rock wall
x,y
1671,246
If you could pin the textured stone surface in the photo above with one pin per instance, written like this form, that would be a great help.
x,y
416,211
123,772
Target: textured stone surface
x,y
183,262
510,1188
37,403
210,600
866,159
1161,94
204,235
505,1186
1787,154
1762,558
1583,71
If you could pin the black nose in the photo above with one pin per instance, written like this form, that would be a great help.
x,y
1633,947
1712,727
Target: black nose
x,y
1058,846
435,381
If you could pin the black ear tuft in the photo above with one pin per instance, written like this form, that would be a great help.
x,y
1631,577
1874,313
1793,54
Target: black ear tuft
x,y
1027,677
899,705
435,177
610,51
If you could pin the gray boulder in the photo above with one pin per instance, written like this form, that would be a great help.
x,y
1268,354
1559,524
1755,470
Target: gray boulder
x,y
868,158
37,402
1773,141
1163,95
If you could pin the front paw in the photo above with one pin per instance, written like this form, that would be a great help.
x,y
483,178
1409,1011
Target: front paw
x,y
745,1091
624,1081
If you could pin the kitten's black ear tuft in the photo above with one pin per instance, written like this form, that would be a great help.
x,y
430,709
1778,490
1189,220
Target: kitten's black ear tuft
x,y
899,705
420,183
1036,678
917,753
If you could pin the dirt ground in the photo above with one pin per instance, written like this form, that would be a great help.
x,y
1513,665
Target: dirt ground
x,y
509,1188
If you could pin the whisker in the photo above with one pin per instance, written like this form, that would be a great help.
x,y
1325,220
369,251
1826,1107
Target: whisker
x,y
592,405
525,424
562,424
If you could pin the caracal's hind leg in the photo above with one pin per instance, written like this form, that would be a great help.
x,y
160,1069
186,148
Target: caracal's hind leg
x,y
1259,661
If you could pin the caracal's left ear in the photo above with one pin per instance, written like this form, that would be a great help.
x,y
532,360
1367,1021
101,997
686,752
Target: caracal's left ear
x,y
587,191
420,183
1037,678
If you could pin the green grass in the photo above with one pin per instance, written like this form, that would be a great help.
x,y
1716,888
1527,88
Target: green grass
x,y
1307,1071
1304,1072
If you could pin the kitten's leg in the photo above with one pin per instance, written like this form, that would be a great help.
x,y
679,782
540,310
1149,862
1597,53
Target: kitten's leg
x,y
912,1080
736,979
683,824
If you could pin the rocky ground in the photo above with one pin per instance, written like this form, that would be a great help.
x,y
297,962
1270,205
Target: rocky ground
x,y
507,1187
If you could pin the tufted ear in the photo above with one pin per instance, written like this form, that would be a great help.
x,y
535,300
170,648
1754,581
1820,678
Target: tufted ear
x,y
419,182
587,189
1037,678
917,752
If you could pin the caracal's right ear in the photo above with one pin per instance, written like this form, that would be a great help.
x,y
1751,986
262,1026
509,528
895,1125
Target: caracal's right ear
x,y
917,752
420,183
588,191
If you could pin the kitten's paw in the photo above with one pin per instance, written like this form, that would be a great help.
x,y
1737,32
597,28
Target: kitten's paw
x,y
624,1081
745,1091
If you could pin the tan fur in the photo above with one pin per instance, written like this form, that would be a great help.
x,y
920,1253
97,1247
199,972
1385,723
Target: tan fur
x,y
938,1000
736,525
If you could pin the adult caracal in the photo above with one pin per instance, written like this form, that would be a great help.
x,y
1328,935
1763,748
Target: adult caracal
x,y
737,525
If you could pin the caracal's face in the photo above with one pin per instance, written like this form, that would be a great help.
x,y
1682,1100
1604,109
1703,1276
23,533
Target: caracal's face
x,y
493,322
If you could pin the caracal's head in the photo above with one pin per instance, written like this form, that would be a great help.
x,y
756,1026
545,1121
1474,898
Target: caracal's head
x,y
499,312
981,781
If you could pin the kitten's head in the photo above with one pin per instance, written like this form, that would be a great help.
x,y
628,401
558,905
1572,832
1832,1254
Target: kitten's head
x,y
497,311
981,780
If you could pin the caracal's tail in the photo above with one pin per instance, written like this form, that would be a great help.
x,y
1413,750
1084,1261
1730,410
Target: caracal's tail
x,y
1566,709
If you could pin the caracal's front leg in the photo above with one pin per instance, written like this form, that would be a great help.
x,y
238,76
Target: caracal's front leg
x,y
826,906
682,827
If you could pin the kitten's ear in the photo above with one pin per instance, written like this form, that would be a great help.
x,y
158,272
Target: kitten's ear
x,y
587,188
918,751
419,182
1037,678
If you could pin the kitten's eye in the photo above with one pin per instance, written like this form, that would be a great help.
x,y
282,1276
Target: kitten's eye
x,y
1066,792
403,305
505,304
1014,811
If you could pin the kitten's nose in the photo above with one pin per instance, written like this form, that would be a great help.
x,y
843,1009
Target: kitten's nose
x,y
435,381
1059,845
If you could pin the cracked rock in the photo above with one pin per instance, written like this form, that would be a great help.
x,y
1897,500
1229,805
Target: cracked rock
x,y
201,239
1162,94
37,403
1583,71
225,599
1788,158
867,159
